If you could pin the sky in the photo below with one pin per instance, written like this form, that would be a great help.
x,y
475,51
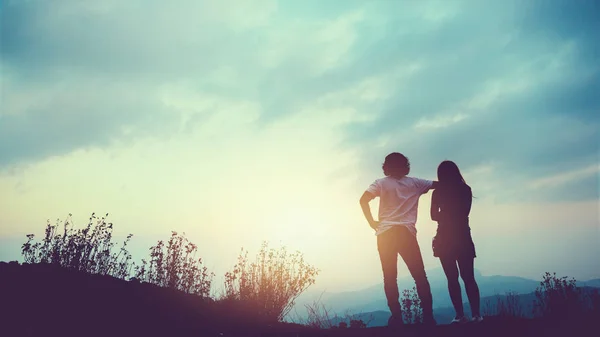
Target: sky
x,y
243,121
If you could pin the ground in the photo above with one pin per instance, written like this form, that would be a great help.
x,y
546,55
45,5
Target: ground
x,y
42,300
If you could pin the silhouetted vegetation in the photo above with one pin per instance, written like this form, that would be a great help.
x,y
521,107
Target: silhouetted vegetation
x,y
174,283
271,283
264,289
558,297
176,266
508,306
555,298
89,249
320,317
412,313
595,301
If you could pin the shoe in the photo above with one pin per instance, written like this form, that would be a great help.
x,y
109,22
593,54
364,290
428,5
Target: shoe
x,y
395,321
477,319
460,320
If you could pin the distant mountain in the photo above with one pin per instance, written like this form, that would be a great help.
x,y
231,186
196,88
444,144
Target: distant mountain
x,y
591,283
372,299
446,314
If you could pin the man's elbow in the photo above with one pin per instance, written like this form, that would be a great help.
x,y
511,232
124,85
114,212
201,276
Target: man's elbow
x,y
365,198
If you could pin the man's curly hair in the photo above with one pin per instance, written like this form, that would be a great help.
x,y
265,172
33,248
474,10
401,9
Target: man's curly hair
x,y
396,165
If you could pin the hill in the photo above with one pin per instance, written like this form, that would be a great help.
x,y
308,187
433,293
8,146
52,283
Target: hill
x,y
44,300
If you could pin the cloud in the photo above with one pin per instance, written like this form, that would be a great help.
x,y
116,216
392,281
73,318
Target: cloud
x,y
508,85
77,113
565,177
137,37
505,91
82,75
578,184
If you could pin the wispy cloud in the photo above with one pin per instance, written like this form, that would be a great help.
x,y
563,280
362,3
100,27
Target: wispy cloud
x,y
566,177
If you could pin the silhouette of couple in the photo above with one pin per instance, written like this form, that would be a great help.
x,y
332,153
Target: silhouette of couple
x,y
396,234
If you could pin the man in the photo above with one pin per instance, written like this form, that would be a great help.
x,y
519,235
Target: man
x,y
396,231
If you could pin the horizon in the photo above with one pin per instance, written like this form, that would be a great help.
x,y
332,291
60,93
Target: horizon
x,y
316,289
267,120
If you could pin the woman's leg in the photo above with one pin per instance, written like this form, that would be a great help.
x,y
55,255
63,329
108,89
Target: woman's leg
x,y
451,271
467,273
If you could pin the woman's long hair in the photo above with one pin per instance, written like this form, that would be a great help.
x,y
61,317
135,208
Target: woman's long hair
x,y
448,173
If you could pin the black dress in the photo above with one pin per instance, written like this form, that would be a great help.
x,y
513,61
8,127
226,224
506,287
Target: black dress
x,y
450,207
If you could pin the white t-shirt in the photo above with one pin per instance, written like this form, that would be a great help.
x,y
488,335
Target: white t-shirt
x,y
398,201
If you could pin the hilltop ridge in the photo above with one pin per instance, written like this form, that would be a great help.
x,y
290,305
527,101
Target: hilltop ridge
x,y
45,300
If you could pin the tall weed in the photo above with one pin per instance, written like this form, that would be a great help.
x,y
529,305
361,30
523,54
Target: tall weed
x,y
89,249
412,312
271,283
558,297
176,266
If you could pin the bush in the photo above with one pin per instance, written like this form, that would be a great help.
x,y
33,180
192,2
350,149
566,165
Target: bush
x,y
89,249
357,324
412,312
318,316
176,266
321,318
271,283
558,297
505,306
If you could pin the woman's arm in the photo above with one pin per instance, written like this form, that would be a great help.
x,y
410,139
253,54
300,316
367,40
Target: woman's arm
x,y
467,201
435,206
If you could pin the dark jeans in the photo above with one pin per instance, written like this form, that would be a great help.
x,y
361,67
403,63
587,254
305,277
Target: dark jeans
x,y
399,240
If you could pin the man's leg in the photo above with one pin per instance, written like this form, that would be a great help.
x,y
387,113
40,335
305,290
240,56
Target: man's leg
x,y
387,245
411,254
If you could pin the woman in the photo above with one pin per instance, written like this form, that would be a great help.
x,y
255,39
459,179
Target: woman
x,y
450,207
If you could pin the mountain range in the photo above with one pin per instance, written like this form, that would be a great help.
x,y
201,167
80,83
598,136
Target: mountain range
x,y
372,299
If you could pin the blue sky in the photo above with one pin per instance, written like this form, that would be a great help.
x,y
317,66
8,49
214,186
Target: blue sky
x,y
241,121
